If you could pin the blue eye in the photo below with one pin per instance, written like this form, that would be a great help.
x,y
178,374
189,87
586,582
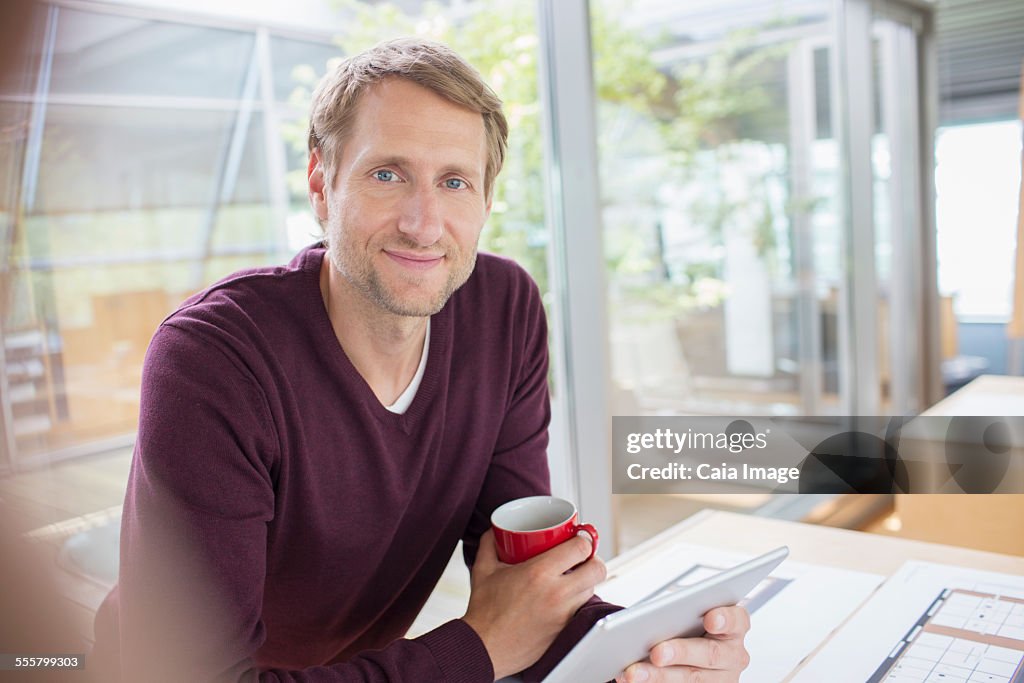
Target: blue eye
x,y
455,184
385,175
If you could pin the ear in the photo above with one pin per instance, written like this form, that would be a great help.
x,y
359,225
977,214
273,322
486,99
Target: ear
x,y
317,184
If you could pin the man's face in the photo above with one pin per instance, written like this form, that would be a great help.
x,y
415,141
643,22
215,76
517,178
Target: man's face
x,y
407,204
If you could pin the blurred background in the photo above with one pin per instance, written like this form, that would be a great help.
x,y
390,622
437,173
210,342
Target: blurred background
x,y
732,207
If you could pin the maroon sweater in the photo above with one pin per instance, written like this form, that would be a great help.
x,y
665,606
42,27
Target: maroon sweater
x,y
282,525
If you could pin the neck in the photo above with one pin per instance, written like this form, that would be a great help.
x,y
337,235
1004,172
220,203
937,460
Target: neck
x,y
385,348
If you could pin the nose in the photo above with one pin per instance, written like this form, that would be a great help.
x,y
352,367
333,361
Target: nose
x,y
422,219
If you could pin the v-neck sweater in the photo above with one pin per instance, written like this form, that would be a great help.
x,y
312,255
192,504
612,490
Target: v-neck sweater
x,y
280,524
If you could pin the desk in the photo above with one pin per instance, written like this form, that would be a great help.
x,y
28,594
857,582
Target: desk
x,y
988,522
986,395
812,544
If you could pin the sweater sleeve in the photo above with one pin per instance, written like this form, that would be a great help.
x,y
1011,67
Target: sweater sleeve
x,y
194,536
519,467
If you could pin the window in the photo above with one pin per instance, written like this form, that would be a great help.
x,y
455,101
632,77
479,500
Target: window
x,y
977,182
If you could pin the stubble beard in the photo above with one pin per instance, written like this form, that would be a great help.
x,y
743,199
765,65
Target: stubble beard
x,y
359,271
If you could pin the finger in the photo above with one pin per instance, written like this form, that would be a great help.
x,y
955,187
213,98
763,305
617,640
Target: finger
x,y
581,582
587,575
642,672
565,556
486,553
584,586
731,622
702,653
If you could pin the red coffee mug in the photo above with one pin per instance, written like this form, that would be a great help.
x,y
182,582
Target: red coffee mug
x,y
528,526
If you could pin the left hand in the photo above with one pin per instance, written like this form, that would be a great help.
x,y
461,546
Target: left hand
x,y
717,657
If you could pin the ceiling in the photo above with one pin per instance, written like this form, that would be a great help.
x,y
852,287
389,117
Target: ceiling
x,y
981,54
980,43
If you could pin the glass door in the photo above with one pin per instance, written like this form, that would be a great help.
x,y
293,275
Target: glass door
x,y
762,194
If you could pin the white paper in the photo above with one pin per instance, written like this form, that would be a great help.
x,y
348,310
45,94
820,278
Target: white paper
x,y
930,623
792,611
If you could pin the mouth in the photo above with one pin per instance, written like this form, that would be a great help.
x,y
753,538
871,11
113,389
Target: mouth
x,y
414,261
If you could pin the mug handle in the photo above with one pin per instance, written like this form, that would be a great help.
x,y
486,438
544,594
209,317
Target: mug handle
x,y
589,530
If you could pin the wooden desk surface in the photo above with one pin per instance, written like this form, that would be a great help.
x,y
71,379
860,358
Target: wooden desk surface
x,y
813,544
986,395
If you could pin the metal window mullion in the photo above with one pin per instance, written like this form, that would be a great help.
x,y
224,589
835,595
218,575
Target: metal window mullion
x,y
928,115
899,84
129,101
572,192
273,140
800,81
907,48
34,144
896,290
859,377
139,257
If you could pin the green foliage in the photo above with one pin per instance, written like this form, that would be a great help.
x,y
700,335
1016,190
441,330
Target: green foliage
x,y
698,124
671,117
712,97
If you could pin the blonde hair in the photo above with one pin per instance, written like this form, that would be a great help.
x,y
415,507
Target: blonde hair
x,y
426,63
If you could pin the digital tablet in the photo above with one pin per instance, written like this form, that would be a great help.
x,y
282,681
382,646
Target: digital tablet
x,y
627,636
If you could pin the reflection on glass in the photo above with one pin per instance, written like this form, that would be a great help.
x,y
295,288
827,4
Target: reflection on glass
x,y
105,54
297,64
123,230
130,206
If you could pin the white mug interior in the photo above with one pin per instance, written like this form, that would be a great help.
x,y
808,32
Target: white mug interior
x,y
535,513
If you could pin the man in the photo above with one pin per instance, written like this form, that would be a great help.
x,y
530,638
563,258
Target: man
x,y
315,439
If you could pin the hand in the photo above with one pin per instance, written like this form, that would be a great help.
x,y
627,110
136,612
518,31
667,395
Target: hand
x,y
518,609
718,657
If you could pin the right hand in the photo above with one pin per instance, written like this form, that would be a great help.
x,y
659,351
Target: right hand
x,y
518,609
